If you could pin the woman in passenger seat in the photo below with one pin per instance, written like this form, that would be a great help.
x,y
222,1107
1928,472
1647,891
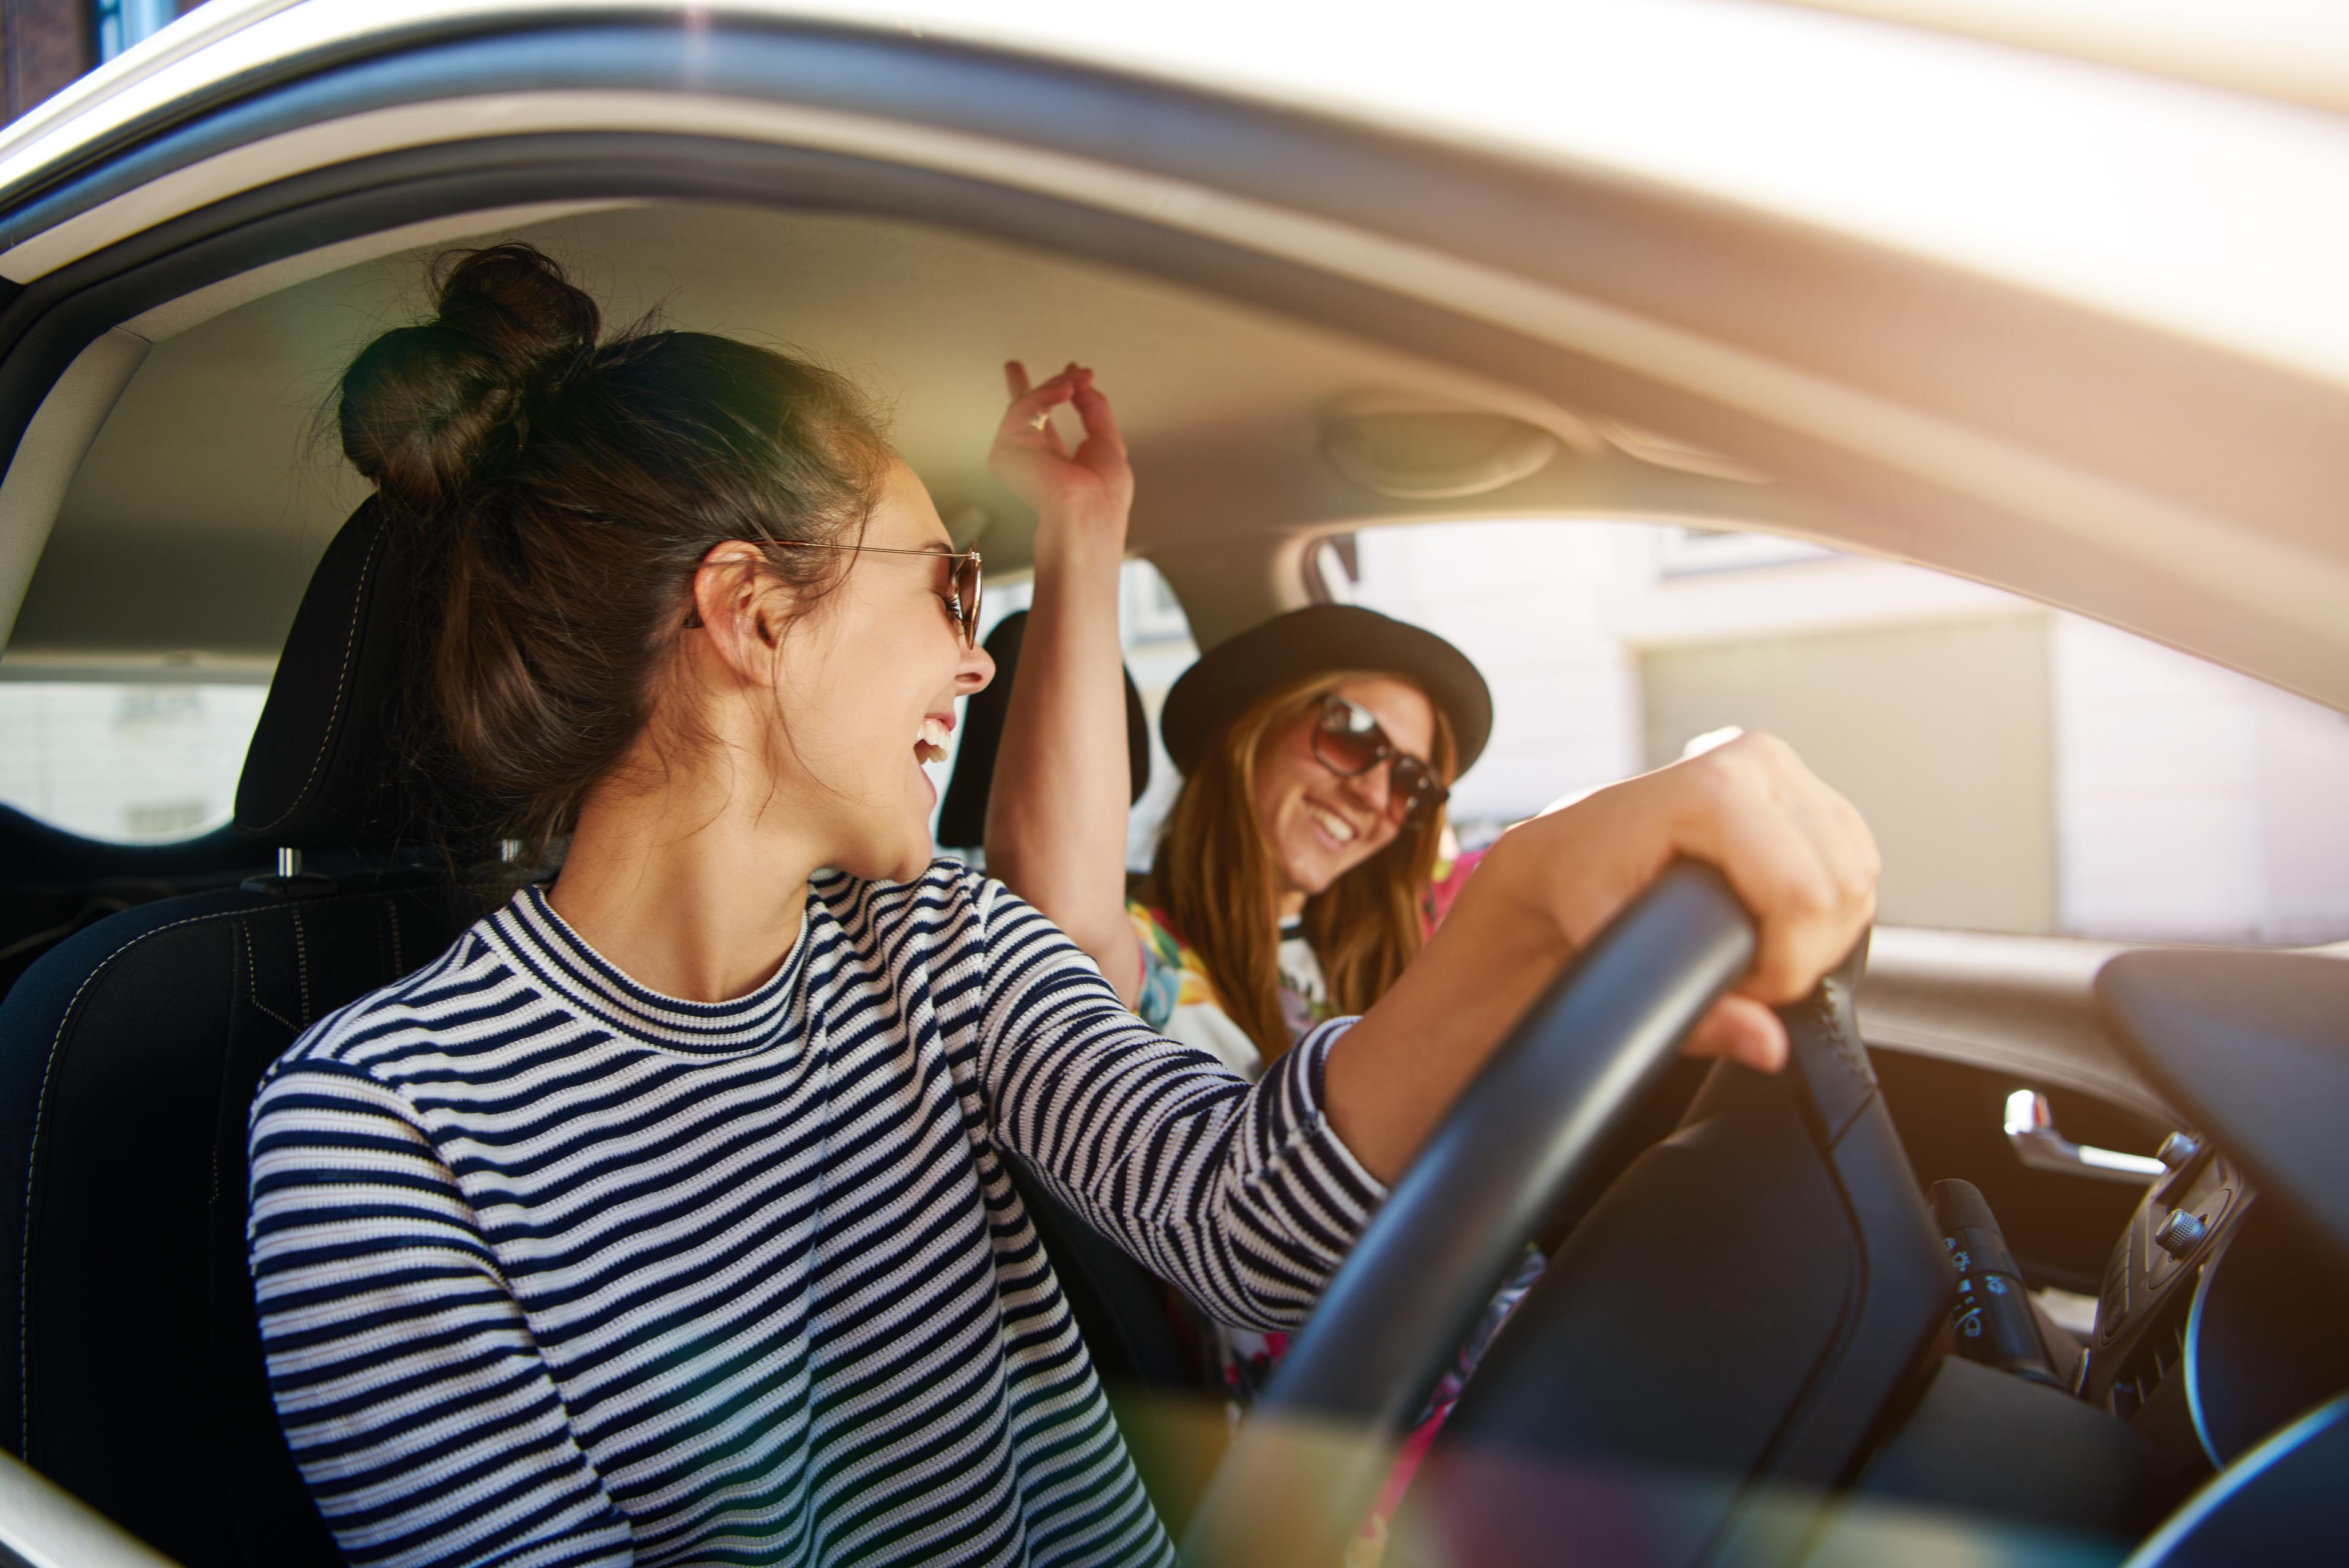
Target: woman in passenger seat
x,y
1299,871
664,1217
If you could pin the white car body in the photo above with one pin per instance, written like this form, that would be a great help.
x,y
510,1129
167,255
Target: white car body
x,y
2049,299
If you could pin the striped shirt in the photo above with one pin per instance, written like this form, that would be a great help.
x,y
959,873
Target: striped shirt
x,y
555,1269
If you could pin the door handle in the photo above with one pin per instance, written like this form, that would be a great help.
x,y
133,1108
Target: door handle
x,y
2031,1132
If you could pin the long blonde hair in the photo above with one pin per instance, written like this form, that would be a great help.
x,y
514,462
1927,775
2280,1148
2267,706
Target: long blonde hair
x,y
1214,875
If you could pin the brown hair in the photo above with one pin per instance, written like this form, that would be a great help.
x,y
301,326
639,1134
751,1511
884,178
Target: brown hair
x,y
1213,877
564,487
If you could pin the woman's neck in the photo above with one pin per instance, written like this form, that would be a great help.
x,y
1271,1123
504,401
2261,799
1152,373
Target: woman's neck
x,y
687,891
1286,904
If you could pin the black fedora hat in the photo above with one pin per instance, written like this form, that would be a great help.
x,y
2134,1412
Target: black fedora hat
x,y
1309,641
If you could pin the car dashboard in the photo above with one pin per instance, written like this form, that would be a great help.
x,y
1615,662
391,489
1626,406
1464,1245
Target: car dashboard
x,y
2202,1417
2222,1328
2221,1318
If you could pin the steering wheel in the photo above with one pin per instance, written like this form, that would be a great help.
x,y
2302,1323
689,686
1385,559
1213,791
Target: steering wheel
x,y
1525,1138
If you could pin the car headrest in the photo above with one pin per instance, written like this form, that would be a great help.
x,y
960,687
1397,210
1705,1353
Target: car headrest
x,y
325,769
962,820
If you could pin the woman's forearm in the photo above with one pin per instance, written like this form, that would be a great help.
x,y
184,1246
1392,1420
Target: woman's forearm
x,y
1057,813
1395,1074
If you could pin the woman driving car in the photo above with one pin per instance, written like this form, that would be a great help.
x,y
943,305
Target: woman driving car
x,y
664,1217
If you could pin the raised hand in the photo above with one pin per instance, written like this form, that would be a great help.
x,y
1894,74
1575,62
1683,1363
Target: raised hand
x,y
1092,485
1056,820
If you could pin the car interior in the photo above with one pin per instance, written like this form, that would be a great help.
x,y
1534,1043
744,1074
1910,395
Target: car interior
x,y
1745,1348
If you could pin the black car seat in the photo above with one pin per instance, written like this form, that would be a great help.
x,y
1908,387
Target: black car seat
x,y
129,1056
962,814
53,882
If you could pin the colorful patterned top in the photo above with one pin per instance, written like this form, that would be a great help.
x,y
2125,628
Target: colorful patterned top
x,y
1179,1000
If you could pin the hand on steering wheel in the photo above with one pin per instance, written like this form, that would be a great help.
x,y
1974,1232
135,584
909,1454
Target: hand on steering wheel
x,y
1600,940
1529,1135
1796,853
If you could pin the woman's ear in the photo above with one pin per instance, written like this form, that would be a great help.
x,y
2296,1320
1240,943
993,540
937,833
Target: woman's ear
x,y
742,609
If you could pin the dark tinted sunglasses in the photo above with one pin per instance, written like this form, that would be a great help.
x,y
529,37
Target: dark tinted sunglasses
x,y
1348,740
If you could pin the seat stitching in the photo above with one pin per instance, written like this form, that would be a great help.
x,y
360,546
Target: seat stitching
x,y
32,1163
32,1157
241,947
302,965
252,992
342,688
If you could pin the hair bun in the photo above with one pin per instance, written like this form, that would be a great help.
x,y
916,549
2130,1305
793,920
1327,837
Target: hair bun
x,y
423,406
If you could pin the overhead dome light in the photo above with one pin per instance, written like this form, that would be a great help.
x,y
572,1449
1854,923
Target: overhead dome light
x,y
1434,453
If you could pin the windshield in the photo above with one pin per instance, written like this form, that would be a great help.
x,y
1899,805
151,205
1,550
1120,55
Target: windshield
x,y
2025,770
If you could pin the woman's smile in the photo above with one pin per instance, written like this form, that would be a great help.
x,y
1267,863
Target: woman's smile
x,y
930,746
871,692
1331,825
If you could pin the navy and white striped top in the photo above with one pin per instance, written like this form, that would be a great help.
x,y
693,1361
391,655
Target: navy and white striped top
x,y
555,1269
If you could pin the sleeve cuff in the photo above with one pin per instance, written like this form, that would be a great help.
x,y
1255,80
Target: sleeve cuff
x,y
1347,1193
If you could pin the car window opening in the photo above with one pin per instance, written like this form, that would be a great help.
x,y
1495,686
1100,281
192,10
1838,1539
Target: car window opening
x,y
2025,770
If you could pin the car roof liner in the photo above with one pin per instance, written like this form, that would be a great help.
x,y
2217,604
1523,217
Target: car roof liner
x,y
1674,315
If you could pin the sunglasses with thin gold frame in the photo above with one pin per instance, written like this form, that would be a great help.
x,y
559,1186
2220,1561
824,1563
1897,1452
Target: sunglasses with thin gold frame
x,y
962,601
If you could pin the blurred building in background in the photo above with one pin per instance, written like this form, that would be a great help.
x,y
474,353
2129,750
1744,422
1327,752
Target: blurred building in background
x,y
2024,770
127,760
46,44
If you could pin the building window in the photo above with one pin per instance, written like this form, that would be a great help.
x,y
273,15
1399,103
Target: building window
x,y
122,22
1149,611
164,818
140,761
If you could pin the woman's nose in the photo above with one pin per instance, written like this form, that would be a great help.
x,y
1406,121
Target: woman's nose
x,y
976,671
1371,787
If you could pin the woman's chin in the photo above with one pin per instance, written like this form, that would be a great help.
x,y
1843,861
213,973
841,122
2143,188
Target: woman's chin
x,y
1315,873
1309,876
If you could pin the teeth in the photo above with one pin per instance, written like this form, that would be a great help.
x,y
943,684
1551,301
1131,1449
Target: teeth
x,y
931,747
1339,828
